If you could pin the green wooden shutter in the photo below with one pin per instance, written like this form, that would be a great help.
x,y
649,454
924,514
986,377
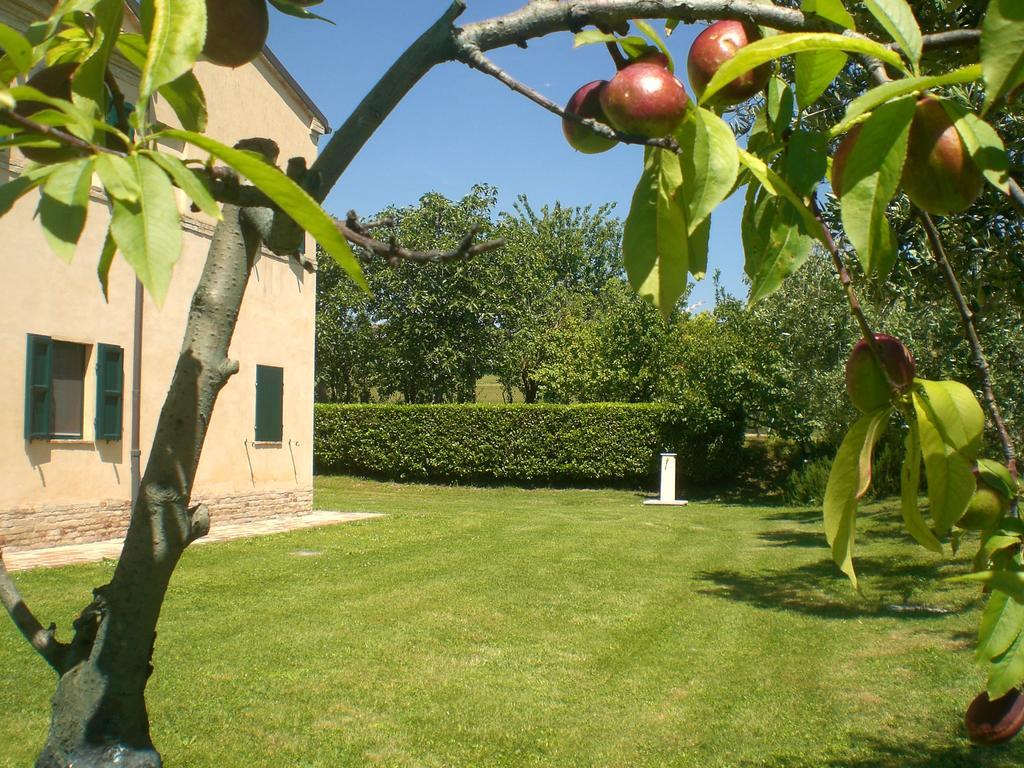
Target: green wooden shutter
x,y
109,391
269,403
38,364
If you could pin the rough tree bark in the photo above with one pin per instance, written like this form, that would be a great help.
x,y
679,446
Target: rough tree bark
x,y
99,713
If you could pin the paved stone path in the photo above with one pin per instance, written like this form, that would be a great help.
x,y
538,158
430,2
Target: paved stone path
x,y
101,550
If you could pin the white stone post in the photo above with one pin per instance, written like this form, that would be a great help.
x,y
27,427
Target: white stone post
x,y
667,497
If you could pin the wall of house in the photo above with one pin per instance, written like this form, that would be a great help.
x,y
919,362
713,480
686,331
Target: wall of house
x,y
68,491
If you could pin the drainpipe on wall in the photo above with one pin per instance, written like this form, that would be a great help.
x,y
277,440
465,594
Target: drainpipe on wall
x,y
135,453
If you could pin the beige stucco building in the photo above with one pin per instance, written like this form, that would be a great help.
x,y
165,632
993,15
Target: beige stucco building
x,y
66,417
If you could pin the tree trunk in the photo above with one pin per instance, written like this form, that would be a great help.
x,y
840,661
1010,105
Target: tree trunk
x,y
99,710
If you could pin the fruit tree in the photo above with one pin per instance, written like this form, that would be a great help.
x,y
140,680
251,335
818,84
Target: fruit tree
x,y
923,123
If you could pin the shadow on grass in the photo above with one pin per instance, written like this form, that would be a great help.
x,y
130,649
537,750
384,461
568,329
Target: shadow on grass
x,y
884,754
892,588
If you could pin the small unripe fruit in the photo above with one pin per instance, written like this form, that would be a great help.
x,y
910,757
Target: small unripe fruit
x,y
984,510
55,82
644,100
236,31
994,722
866,383
839,159
715,46
939,175
586,102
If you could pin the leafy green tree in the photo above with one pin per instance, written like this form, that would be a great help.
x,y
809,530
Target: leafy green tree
x,y
347,346
727,359
99,713
605,348
431,325
551,259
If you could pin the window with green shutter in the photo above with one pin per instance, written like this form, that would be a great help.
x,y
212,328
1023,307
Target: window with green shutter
x,y
269,404
38,364
55,374
109,391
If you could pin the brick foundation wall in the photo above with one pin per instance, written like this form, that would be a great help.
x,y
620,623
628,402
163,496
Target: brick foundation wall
x,y
57,525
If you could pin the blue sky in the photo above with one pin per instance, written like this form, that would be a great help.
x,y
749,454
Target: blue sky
x,y
459,127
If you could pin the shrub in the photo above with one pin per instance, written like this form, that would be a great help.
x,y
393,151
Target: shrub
x,y
585,443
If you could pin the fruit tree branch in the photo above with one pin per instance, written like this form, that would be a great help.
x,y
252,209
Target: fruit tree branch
x,y
537,19
61,137
474,57
355,231
42,639
438,45
851,296
1017,196
949,39
971,333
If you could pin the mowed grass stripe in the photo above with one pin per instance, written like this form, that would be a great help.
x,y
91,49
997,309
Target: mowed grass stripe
x,y
513,627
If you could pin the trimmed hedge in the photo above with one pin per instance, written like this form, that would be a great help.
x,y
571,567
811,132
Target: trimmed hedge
x,y
590,443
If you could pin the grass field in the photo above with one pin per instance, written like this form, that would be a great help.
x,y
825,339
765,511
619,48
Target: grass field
x,y
507,627
489,390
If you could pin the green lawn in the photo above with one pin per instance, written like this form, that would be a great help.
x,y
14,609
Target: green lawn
x,y
487,627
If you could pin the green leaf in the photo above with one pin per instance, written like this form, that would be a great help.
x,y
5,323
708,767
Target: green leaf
x,y
998,476
63,8
910,484
64,113
133,48
776,185
991,544
870,179
771,48
779,107
118,177
786,246
806,160
1001,623
633,45
951,423
897,19
655,242
148,232
88,87
16,48
698,249
655,38
185,96
983,144
188,181
893,90
14,190
710,164
960,419
1010,582
848,481
1002,49
64,205
286,194
106,259
833,10
298,11
176,30
815,71
1006,671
